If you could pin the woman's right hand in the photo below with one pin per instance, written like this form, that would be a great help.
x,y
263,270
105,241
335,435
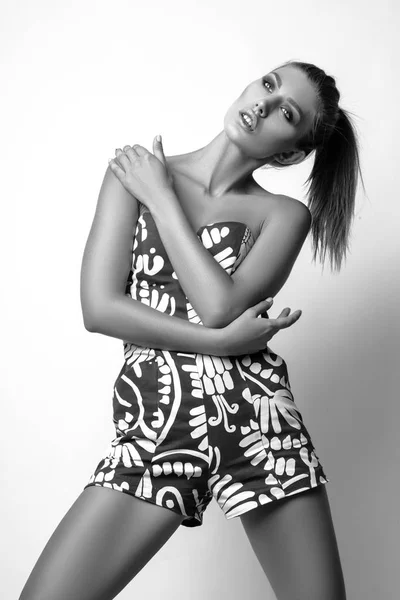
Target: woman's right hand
x,y
248,334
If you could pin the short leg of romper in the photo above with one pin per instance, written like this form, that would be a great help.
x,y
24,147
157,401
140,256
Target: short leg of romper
x,y
261,448
133,462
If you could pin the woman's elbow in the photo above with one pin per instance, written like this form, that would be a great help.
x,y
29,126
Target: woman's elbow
x,y
217,320
89,323
91,318
224,317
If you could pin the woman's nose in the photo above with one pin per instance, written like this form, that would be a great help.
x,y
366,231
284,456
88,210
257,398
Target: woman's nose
x,y
261,107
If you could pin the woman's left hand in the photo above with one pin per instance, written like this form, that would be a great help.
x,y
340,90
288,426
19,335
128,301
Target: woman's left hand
x,y
143,174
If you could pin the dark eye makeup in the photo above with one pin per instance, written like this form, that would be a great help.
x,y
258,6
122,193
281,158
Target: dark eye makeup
x,y
288,114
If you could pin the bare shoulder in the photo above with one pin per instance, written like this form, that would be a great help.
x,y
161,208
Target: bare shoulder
x,y
294,206
281,206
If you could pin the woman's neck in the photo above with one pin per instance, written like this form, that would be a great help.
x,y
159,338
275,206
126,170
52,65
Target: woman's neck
x,y
220,167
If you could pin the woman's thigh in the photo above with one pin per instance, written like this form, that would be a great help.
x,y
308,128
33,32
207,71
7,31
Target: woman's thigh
x,y
295,542
102,542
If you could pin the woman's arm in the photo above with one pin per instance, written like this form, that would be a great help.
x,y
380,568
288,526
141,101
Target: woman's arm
x,y
105,268
146,177
197,270
133,321
261,274
217,297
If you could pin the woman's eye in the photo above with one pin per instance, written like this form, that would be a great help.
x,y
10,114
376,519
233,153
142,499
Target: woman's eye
x,y
287,113
268,83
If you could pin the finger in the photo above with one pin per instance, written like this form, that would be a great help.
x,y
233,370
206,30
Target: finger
x,y
261,306
122,158
159,150
283,322
117,153
140,150
130,153
116,169
133,149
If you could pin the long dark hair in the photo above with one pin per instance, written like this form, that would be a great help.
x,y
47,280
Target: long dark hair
x,y
334,176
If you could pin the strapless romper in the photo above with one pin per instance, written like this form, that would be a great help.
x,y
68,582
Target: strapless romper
x,y
191,427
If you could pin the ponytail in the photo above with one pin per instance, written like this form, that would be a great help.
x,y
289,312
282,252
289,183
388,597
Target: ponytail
x,y
334,176
332,190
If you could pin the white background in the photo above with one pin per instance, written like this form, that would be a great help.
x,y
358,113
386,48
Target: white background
x,y
81,78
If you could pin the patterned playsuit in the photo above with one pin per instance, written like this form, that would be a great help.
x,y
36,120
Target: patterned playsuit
x,y
191,427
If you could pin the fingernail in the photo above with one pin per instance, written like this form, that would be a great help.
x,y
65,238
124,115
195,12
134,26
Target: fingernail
x,y
158,138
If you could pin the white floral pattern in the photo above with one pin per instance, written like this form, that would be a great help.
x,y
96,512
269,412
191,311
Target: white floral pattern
x,y
191,427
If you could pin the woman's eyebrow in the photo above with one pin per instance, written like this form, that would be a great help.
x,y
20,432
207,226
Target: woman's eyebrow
x,y
293,102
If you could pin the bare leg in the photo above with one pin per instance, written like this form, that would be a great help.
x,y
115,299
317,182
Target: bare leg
x,y
103,541
295,543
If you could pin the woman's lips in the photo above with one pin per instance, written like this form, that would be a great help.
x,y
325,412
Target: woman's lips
x,y
244,124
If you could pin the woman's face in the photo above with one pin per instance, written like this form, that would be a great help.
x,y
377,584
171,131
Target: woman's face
x,y
282,109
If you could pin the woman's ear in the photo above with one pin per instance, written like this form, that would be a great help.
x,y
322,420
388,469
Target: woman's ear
x,y
290,158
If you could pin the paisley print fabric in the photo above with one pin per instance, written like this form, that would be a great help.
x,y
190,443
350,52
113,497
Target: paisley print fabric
x,y
191,427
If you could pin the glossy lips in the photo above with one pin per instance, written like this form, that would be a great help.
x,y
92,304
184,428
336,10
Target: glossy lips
x,y
253,118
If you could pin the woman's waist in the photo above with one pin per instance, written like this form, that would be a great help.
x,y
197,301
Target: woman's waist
x,y
134,352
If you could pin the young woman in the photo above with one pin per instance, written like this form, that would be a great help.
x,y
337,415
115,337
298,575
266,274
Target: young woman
x,y
181,255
